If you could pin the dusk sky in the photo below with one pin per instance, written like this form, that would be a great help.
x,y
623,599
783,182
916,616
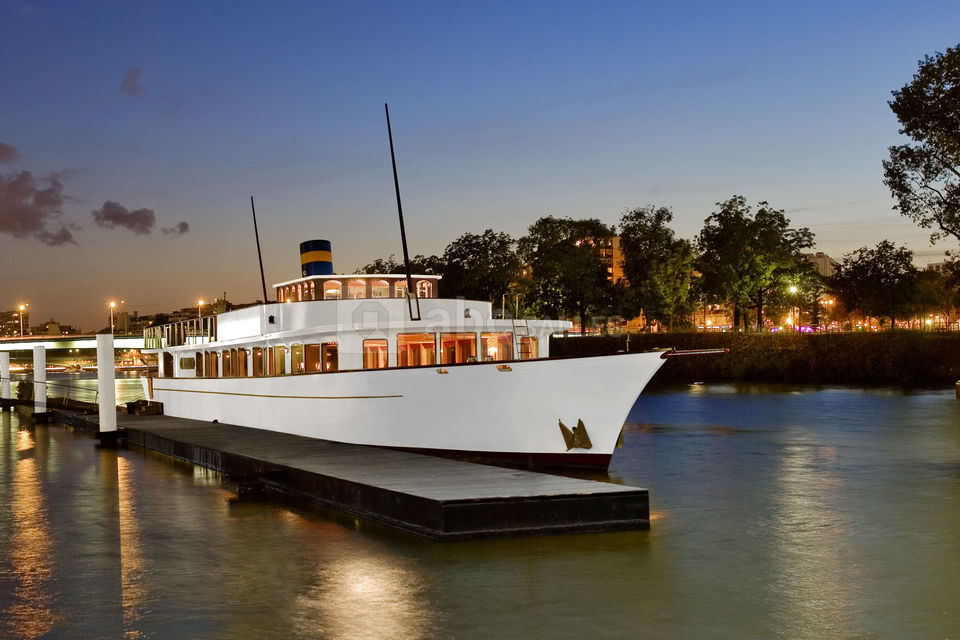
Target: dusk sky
x,y
145,128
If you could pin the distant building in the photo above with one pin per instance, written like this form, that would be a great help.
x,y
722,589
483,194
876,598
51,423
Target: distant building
x,y
10,323
824,264
612,257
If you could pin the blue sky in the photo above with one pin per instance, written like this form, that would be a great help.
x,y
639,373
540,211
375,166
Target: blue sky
x,y
502,112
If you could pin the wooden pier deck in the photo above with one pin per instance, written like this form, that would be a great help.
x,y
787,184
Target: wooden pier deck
x,y
435,497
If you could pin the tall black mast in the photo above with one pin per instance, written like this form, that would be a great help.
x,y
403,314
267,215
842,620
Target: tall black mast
x,y
411,292
256,233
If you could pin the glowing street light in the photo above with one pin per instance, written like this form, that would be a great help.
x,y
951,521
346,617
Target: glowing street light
x,y
112,305
22,307
200,309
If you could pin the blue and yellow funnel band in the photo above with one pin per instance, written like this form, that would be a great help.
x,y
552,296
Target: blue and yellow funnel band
x,y
316,258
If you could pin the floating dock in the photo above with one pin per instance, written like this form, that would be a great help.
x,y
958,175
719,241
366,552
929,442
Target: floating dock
x,y
435,497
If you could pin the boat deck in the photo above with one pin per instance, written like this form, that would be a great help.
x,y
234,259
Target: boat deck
x,y
435,497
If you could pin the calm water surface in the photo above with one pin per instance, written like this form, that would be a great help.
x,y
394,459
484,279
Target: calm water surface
x,y
779,512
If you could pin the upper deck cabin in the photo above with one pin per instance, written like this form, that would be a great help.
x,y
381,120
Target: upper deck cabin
x,y
355,286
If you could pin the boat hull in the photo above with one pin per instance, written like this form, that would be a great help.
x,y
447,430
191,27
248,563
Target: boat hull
x,y
498,411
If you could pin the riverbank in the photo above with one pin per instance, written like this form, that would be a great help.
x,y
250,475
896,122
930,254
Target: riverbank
x,y
910,358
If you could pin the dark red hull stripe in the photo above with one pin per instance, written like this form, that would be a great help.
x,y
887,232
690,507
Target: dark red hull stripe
x,y
578,460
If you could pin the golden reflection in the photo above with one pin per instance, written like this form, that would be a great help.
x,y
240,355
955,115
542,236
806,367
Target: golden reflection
x,y
817,568
364,597
29,614
131,559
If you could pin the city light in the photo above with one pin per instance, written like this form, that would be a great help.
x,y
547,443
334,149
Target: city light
x,y
200,309
22,307
112,305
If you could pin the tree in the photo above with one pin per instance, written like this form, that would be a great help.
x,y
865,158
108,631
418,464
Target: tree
x,y
658,266
744,256
481,267
419,264
568,275
881,282
924,178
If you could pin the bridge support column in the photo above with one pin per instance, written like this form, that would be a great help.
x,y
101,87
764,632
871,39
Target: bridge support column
x,y
5,379
106,393
39,384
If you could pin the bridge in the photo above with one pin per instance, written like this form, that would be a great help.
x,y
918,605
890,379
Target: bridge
x,y
27,343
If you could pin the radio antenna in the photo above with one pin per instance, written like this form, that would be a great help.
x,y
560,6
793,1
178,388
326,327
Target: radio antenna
x,y
256,233
411,292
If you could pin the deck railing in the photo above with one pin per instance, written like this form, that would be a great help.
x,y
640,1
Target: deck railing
x,y
193,331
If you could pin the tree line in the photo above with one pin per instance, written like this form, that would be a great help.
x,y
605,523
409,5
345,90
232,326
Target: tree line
x,y
748,258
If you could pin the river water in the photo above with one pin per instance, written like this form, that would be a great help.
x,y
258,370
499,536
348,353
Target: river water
x,y
778,512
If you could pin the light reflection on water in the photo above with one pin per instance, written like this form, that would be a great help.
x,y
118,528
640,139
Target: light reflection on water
x,y
779,512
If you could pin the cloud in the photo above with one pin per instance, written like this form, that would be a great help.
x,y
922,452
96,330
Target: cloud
x,y
179,229
130,84
8,153
27,211
113,214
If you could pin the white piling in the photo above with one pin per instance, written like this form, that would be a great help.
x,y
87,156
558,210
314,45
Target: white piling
x,y
39,380
106,393
5,375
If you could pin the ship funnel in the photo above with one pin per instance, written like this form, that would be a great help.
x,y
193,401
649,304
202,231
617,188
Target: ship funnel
x,y
316,258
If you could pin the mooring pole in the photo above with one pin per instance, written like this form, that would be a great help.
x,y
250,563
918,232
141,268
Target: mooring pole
x,y
106,393
39,383
5,377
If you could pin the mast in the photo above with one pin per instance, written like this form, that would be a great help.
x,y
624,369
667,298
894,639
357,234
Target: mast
x,y
256,233
411,292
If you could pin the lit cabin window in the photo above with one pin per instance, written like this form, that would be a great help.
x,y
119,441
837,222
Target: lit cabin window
x,y
496,346
375,354
528,348
415,349
356,289
458,347
258,369
299,293
379,289
278,365
424,289
211,364
330,354
400,289
279,294
313,290
241,364
297,364
311,358
332,290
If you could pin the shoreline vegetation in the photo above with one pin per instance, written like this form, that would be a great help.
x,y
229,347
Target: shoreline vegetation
x,y
904,358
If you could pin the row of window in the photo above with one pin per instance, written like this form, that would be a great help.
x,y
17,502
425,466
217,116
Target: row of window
x,y
413,349
267,361
355,289
418,349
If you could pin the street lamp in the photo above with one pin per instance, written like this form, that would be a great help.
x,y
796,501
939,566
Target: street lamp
x,y
22,308
796,312
200,309
112,305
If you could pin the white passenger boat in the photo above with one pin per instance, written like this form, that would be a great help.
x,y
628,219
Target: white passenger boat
x,y
339,358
